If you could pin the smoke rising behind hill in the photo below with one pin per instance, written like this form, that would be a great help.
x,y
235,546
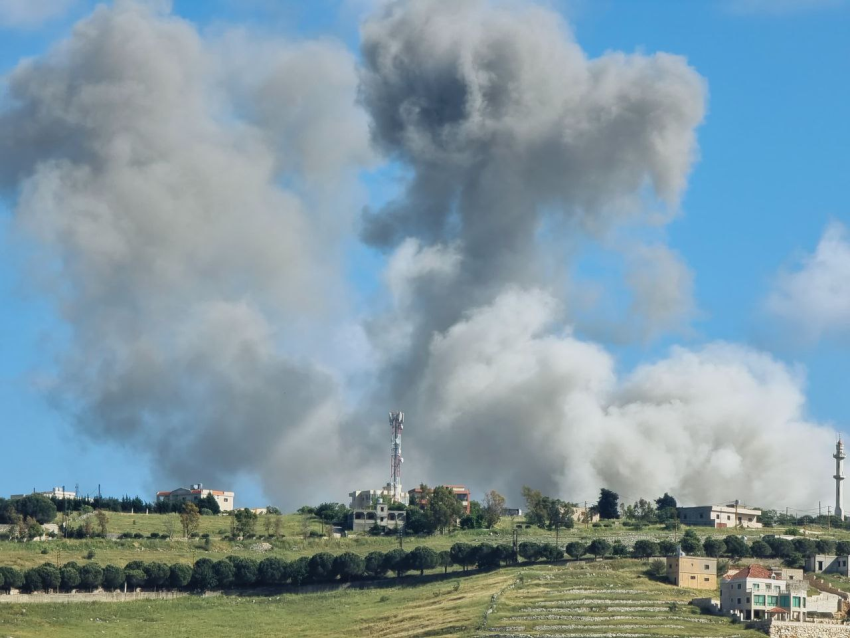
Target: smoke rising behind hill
x,y
191,199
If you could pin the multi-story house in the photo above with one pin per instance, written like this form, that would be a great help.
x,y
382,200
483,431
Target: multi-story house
x,y
756,592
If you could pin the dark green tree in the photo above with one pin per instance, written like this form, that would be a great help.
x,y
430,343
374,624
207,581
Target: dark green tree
x,y
618,549
486,556
842,548
12,578
245,522
331,513
91,576
529,551
134,578
156,574
608,504
396,561
713,546
209,503
576,549
599,547
51,578
422,558
41,508
691,543
113,577
374,564
349,566
760,549
550,552
805,546
70,575
180,575
299,570
321,567
667,548
736,547
645,549
225,573
826,546
273,571
32,580
245,570
203,575
462,554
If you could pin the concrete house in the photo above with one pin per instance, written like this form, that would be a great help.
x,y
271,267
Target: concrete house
x,y
695,572
720,516
360,520
756,593
821,563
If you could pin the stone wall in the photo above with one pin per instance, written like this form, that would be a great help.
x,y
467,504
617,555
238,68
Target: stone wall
x,y
778,629
91,597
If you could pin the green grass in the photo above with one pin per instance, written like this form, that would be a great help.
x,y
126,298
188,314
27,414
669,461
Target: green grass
x,y
577,599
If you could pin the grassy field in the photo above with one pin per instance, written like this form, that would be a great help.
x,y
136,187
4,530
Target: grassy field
x,y
600,599
293,544
574,600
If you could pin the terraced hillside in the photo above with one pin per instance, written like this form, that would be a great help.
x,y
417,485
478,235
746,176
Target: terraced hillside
x,y
599,600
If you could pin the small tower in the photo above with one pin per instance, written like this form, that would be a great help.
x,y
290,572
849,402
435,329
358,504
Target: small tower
x,y
396,425
839,477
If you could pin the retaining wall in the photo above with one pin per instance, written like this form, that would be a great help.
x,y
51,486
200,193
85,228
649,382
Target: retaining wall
x,y
807,630
92,597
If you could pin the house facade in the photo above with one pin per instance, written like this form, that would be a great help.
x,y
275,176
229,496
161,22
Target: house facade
x,y
694,572
720,516
363,520
367,499
821,563
195,493
756,593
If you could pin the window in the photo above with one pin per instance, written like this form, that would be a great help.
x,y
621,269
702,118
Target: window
x,y
773,601
225,500
739,601
706,579
796,601
758,600
739,585
701,515
707,567
693,577
755,585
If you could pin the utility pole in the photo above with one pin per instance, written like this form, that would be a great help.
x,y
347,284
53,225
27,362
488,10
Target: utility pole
x,y
828,519
586,516
737,522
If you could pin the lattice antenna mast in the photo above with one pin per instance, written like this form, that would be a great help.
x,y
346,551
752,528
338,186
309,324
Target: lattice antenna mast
x,y
396,425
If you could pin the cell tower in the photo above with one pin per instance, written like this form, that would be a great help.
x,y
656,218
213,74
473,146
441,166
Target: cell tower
x,y
839,457
396,425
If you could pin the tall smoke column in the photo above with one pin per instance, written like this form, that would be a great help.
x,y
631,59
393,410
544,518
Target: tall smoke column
x,y
397,425
839,477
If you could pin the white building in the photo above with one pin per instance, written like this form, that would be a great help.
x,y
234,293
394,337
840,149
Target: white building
x,y
195,493
756,593
367,499
56,492
720,516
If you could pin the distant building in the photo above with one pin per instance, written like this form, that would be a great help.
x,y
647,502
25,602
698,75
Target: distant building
x,y
260,511
361,520
583,515
694,572
720,516
511,511
56,492
195,493
821,563
756,593
461,493
367,499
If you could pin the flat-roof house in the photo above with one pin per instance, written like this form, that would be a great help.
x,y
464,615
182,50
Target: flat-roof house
x,y
695,572
720,516
821,563
195,493
360,520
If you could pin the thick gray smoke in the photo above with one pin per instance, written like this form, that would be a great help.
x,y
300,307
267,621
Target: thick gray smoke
x,y
515,140
183,269
206,300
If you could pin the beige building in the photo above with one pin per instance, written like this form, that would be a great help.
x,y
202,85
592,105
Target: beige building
x,y
720,516
583,515
694,572
195,493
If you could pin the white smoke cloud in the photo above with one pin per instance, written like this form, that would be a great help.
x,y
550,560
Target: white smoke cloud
x,y
812,299
177,255
206,300
510,402
28,14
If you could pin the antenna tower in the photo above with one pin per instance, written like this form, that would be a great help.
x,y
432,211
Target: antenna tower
x,y
396,425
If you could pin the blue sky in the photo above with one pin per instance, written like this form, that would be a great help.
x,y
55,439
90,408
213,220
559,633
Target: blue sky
x,y
771,177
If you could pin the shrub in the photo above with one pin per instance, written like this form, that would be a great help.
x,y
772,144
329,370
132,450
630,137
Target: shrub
x,y
44,550
154,534
657,569
90,554
206,512
138,535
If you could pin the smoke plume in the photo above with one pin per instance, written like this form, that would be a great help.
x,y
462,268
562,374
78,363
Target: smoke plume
x,y
192,198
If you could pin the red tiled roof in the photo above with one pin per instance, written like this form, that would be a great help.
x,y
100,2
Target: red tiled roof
x,y
753,571
163,493
777,610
